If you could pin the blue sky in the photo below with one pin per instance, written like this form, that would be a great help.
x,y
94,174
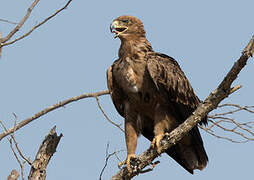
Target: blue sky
x,y
70,54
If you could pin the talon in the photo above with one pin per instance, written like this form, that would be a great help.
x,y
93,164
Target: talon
x,y
156,142
127,162
120,164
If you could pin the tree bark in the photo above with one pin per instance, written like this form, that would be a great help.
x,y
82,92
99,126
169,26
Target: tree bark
x,y
43,156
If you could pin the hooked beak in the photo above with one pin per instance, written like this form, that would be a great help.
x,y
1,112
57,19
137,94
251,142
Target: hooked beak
x,y
116,28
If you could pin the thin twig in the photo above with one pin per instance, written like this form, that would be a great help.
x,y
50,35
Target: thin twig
x,y
49,109
107,159
222,137
7,21
20,164
16,143
228,124
246,108
3,126
38,25
234,89
106,116
15,154
119,160
20,24
19,151
233,130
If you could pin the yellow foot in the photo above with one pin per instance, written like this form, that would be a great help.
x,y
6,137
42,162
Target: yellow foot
x,y
127,162
156,142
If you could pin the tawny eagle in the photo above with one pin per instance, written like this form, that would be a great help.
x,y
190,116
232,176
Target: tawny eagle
x,y
152,93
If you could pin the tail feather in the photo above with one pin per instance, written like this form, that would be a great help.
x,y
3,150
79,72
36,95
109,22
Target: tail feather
x,y
190,155
173,152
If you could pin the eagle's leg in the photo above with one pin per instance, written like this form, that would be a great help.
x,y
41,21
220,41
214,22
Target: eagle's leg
x,y
158,135
161,124
131,136
156,142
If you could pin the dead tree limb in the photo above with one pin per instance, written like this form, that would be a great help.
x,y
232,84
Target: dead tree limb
x,y
49,109
210,103
44,154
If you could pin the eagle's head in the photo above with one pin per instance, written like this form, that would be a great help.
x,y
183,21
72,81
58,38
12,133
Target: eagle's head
x,y
127,27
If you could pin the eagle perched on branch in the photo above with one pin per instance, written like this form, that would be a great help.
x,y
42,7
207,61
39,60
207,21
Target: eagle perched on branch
x,y
152,93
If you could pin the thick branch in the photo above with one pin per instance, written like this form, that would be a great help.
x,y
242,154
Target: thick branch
x,y
211,102
49,109
44,154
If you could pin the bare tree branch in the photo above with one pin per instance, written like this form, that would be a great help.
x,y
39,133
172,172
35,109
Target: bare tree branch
x,y
211,102
7,21
36,26
226,123
4,41
21,164
238,108
107,159
106,116
221,137
15,154
16,143
20,24
49,109
44,154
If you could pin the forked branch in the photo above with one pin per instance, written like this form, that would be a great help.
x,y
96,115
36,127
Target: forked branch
x,y
5,41
233,130
20,24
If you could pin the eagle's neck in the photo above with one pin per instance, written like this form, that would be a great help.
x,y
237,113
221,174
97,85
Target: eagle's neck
x,y
134,48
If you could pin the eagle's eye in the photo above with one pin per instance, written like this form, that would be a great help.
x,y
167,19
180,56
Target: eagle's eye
x,y
125,20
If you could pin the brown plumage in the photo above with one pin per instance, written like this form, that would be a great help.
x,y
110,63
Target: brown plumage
x,y
154,96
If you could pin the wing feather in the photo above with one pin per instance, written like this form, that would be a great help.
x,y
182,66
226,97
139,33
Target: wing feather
x,y
171,80
115,91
